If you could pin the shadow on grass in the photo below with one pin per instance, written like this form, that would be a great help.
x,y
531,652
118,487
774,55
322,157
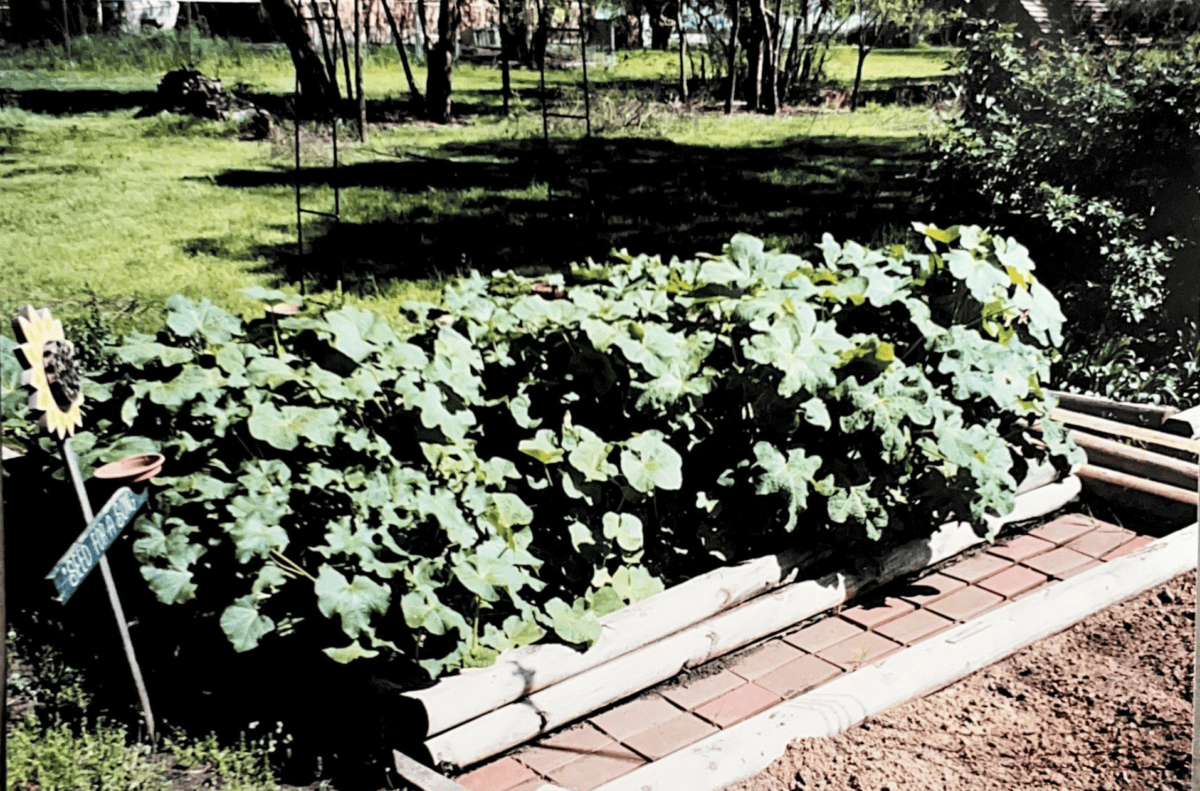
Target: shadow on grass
x,y
513,204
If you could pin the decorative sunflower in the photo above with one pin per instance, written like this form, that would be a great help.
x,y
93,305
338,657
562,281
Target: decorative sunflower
x,y
50,371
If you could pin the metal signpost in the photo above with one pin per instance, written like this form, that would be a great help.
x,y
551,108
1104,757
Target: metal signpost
x,y
54,382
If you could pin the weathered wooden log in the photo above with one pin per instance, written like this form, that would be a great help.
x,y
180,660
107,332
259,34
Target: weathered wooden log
x,y
1136,461
1148,415
1158,439
1139,484
1185,424
768,614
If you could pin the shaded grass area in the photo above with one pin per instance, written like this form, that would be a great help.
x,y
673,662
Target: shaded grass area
x,y
513,204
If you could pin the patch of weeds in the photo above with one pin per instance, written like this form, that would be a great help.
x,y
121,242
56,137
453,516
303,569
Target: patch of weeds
x,y
60,757
245,767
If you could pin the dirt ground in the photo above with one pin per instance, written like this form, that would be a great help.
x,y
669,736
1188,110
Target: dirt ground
x,y
1105,705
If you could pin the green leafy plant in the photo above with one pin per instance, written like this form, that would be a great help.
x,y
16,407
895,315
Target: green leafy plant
x,y
536,454
1050,147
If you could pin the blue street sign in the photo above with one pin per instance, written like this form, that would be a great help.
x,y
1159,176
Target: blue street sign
x,y
92,543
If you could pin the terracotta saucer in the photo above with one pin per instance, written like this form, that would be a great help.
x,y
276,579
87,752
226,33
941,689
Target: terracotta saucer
x,y
136,469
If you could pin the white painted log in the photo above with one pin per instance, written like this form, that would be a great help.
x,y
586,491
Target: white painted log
x,y
516,674
458,699
750,746
574,697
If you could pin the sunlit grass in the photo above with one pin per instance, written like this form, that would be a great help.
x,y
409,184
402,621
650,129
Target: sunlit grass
x,y
107,210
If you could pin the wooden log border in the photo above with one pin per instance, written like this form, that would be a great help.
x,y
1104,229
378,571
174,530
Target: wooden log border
x,y
458,699
765,615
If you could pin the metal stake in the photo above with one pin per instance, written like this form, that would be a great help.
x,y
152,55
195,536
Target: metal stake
x,y
73,465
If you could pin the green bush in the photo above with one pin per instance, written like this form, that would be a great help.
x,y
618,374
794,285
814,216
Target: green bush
x,y
1054,146
537,454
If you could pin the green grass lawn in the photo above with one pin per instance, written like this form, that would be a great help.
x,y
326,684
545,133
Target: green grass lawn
x,y
103,210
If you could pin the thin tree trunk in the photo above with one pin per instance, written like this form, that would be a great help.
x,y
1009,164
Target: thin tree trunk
x,y
427,47
863,50
341,36
792,64
505,54
683,86
330,59
733,45
413,92
358,69
771,73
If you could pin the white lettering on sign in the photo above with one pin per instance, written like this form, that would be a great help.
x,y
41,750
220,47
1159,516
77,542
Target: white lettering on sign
x,y
94,541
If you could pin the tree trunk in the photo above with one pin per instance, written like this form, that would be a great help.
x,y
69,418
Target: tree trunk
x,y
330,57
358,75
441,65
414,94
660,25
736,13
767,98
683,86
340,34
863,50
318,94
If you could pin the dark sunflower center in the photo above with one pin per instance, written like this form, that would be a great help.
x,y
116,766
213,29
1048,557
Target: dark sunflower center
x,y
62,375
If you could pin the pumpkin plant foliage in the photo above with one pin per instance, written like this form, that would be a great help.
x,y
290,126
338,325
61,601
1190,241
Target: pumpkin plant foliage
x,y
522,464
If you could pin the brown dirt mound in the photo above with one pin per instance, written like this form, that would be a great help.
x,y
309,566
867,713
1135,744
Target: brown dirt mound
x,y
1105,705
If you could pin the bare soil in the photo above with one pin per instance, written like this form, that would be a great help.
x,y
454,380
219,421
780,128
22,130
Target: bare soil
x,y
1105,705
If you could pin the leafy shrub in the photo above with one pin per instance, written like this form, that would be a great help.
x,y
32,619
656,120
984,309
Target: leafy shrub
x,y
1161,369
1052,146
537,454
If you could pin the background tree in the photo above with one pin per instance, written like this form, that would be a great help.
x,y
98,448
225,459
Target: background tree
x,y
874,18
319,94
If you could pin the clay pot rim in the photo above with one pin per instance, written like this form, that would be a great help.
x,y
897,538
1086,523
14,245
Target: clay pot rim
x,y
139,467
284,309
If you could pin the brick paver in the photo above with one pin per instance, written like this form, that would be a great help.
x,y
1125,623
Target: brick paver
x,y
966,603
857,651
554,751
636,716
1057,561
699,691
1099,543
500,775
1013,582
1062,575
597,769
764,659
733,707
872,614
1065,528
928,589
1125,549
672,735
823,634
799,675
914,626
976,568
1021,547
